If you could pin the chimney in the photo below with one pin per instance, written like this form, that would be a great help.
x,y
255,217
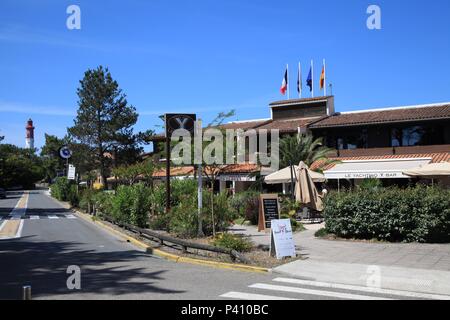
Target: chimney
x,y
29,141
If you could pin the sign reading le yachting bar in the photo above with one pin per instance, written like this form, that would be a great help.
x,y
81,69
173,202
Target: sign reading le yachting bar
x,y
176,121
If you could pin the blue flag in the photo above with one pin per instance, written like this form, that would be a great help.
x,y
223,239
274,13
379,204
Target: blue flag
x,y
309,81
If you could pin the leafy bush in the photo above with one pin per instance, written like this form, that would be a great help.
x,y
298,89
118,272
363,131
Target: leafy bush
x,y
131,204
234,242
246,205
419,214
73,196
370,184
184,217
87,197
61,189
103,202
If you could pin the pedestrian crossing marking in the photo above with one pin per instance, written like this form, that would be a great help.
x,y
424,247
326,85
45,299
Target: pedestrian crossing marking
x,y
38,217
323,293
252,296
416,295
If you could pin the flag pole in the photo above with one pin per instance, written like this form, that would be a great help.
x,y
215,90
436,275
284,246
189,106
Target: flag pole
x,y
312,78
324,79
300,80
287,70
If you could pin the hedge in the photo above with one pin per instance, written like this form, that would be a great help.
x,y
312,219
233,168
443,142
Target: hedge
x,y
418,214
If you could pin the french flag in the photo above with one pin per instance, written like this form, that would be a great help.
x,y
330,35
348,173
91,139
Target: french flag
x,y
284,85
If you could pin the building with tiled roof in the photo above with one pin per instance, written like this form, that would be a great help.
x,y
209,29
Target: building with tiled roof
x,y
368,143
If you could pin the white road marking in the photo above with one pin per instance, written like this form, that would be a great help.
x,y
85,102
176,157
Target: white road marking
x,y
2,225
35,217
416,295
70,216
53,217
252,296
332,294
19,230
16,217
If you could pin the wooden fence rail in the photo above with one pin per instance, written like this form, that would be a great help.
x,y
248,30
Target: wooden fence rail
x,y
185,245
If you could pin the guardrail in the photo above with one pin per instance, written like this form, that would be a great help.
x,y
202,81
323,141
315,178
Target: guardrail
x,y
185,245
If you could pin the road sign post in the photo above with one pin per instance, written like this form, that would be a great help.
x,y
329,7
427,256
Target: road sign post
x,y
174,121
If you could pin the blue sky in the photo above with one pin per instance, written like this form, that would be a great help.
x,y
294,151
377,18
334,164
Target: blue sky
x,y
210,56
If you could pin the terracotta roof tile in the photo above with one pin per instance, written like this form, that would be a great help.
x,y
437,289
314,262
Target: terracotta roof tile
x,y
431,112
287,125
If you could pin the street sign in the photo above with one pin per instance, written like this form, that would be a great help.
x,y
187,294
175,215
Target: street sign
x,y
179,121
269,209
65,153
282,243
71,172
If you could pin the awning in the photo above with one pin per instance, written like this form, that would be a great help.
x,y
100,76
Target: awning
x,y
284,176
375,169
430,170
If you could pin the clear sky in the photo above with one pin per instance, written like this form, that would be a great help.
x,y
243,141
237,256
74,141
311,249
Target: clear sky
x,y
207,56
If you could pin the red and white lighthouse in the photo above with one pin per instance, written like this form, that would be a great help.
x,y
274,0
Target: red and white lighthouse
x,y
29,141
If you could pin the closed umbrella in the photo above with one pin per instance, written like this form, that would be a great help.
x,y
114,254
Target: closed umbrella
x,y
305,190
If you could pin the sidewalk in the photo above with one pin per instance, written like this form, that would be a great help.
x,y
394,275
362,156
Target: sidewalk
x,y
409,267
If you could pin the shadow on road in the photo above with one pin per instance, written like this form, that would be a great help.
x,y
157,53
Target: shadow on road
x,y
43,265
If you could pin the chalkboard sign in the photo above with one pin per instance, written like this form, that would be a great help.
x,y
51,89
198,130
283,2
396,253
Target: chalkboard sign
x,y
269,209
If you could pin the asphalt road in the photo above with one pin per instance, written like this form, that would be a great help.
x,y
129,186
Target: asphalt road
x,y
52,240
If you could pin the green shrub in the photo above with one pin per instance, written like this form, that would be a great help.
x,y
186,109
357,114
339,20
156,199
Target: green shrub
x,y
131,204
321,233
61,189
73,196
234,242
246,205
87,197
419,214
103,202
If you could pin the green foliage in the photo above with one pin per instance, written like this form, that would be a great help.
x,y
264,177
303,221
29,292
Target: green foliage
x,y
294,149
130,174
234,242
131,204
246,205
87,197
52,162
103,201
104,122
61,189
321,233
19,167
419,214
371,184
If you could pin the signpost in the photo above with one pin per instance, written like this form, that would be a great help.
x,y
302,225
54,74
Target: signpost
x,y
269,209
71,172
282,243
174,121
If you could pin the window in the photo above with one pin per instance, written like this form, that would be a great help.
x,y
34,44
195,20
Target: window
x,y
416,136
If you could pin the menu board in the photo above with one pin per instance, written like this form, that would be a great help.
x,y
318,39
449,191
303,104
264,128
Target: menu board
x,y
269,210
282,243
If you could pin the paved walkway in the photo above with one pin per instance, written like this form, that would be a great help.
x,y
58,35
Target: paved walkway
x,y
400,266
410,255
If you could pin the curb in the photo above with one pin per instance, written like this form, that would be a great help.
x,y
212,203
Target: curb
x,y
169,256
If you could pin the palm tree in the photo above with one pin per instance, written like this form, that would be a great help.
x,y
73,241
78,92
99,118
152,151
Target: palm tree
x,y
303,147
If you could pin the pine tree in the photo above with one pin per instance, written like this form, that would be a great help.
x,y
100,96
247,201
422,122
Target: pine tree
x,y
104,121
